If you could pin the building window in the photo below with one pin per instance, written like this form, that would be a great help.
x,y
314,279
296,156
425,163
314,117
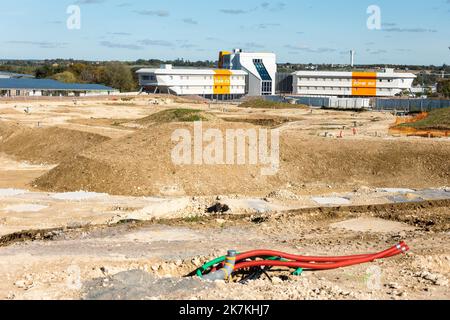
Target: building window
x,y
148,78
266,87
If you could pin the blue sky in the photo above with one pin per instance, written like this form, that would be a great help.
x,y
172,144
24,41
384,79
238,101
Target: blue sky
x,y
299,31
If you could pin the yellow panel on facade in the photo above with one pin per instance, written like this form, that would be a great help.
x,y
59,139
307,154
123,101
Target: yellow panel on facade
x,y
222,81
364,84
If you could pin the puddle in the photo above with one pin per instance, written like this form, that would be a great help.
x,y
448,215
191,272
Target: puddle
x,y
78,196
331,201
25,208
11,192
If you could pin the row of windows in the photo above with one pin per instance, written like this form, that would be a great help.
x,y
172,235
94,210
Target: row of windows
x,y
324,88
215,87
324,79
337,89
152,77
148,78
266,87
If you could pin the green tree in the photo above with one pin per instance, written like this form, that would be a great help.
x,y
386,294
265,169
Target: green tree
x,y
118,76
443,88
66,77
46,71
78,68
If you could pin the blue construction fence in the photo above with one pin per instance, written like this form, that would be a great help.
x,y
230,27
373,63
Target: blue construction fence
x,y
389,104
410,105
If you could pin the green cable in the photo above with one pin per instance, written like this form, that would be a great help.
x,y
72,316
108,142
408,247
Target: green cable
x,y
210,265
298,272
220,260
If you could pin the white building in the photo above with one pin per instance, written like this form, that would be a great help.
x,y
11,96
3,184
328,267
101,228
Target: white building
x,y
12,75
28,87
210,83
261,69
351,84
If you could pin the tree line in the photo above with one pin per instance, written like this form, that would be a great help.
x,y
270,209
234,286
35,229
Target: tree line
x,y
122,75
119,75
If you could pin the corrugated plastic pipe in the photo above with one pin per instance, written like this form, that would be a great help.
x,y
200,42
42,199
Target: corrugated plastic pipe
x,y
235,262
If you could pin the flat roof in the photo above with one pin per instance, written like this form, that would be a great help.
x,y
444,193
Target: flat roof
x,y
350,74
48,84
175,71
15,75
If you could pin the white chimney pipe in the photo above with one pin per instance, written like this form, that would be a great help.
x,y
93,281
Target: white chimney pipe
x,y
352,58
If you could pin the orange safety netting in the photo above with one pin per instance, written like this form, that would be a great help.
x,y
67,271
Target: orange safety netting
x,y
413,132
402,120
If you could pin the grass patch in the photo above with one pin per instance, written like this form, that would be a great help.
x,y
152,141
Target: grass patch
x,y
265,104
175,115
438,119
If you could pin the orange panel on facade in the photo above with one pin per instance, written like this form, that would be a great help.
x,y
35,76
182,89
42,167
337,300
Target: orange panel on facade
x,y
364,84
222,81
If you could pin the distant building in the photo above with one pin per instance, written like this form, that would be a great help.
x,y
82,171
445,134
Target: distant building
x,y
261,69
351,84
210,83
10,75
11,87
255,74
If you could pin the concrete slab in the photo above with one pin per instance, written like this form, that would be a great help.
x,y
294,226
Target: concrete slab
x,y
330,201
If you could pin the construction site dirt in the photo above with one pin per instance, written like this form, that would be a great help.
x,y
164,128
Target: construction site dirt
x,y
92,205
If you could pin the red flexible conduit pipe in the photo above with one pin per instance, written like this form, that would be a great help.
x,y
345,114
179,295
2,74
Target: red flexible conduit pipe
x,y
314,263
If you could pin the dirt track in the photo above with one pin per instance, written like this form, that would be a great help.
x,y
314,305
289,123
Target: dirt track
x,y
175,248
141,164
75,249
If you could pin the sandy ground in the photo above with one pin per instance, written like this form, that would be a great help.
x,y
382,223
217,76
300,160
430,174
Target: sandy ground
x,y
82,245
85,263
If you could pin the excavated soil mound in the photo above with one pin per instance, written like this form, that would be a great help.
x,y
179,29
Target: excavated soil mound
x,y
264,121
257,103
141,164
45,145
176,115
